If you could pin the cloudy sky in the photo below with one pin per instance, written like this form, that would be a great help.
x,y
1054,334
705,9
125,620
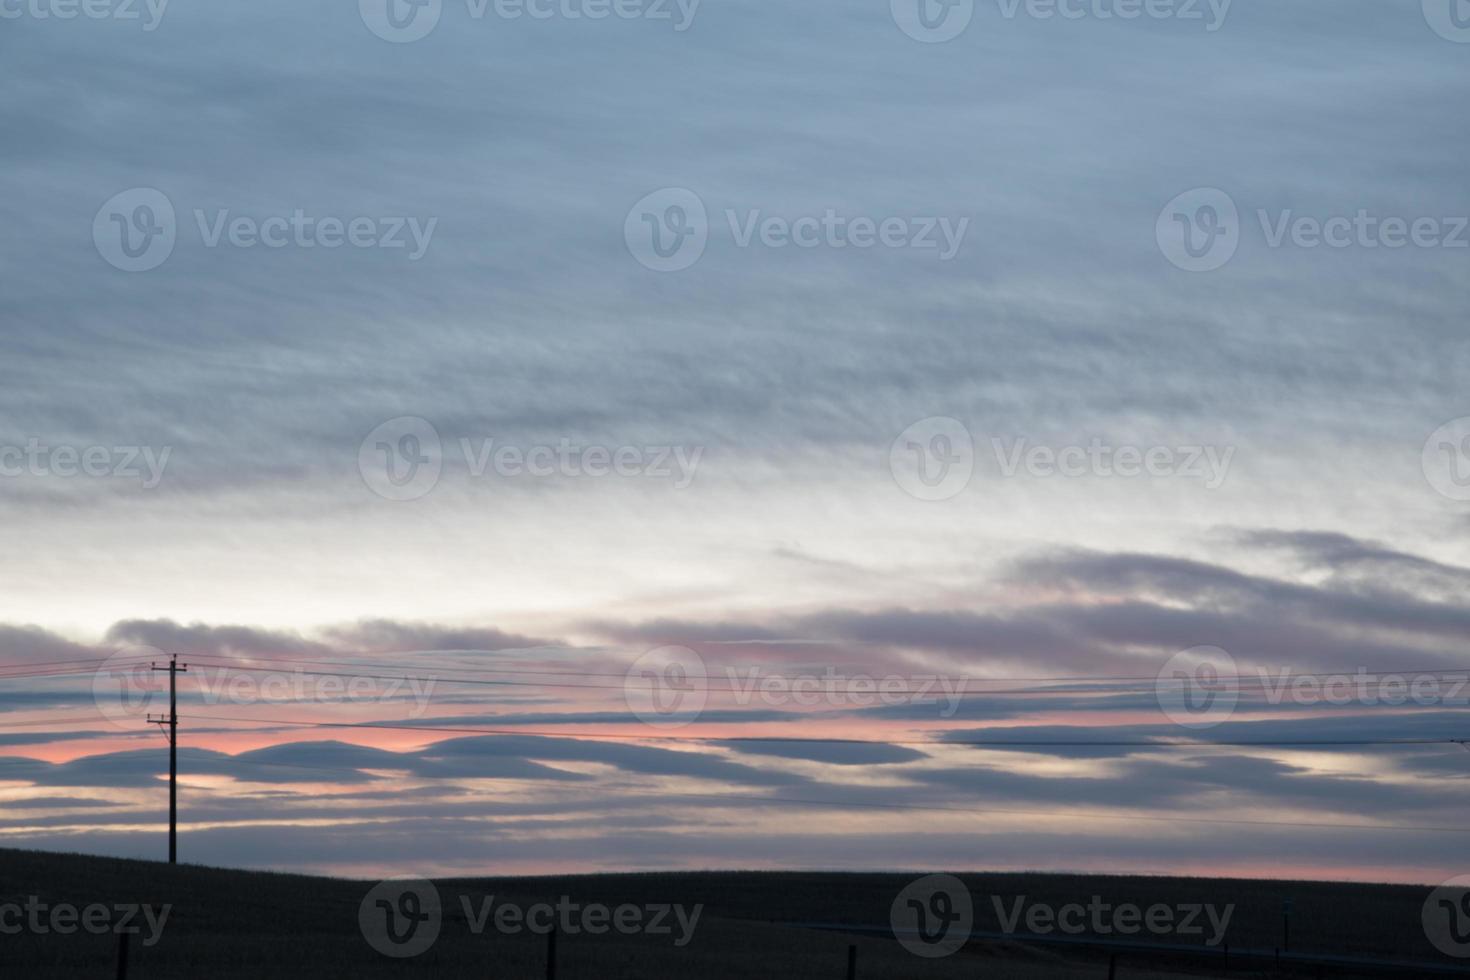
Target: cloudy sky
x,y
483,353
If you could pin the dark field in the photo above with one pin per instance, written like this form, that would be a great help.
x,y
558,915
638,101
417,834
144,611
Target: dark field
x,y
227,924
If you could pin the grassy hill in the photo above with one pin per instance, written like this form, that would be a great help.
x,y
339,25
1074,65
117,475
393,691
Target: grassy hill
x,y
227,924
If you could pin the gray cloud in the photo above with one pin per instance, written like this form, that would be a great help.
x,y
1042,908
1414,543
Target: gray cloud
x,y
527,321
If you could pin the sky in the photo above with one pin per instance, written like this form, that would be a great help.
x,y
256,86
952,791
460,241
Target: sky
x,y
620,395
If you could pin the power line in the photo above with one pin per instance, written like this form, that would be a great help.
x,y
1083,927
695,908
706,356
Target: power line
x,y
53,663
874,686
72,671
1075,678
69,720
877,687
821,740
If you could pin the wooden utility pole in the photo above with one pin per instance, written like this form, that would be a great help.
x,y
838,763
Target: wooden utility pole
x,y
172,721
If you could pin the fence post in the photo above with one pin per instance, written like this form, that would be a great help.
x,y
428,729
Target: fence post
x,y
852,962
551,953
122,955
1113,966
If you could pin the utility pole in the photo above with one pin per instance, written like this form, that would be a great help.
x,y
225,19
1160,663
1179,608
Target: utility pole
x,y
172,721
